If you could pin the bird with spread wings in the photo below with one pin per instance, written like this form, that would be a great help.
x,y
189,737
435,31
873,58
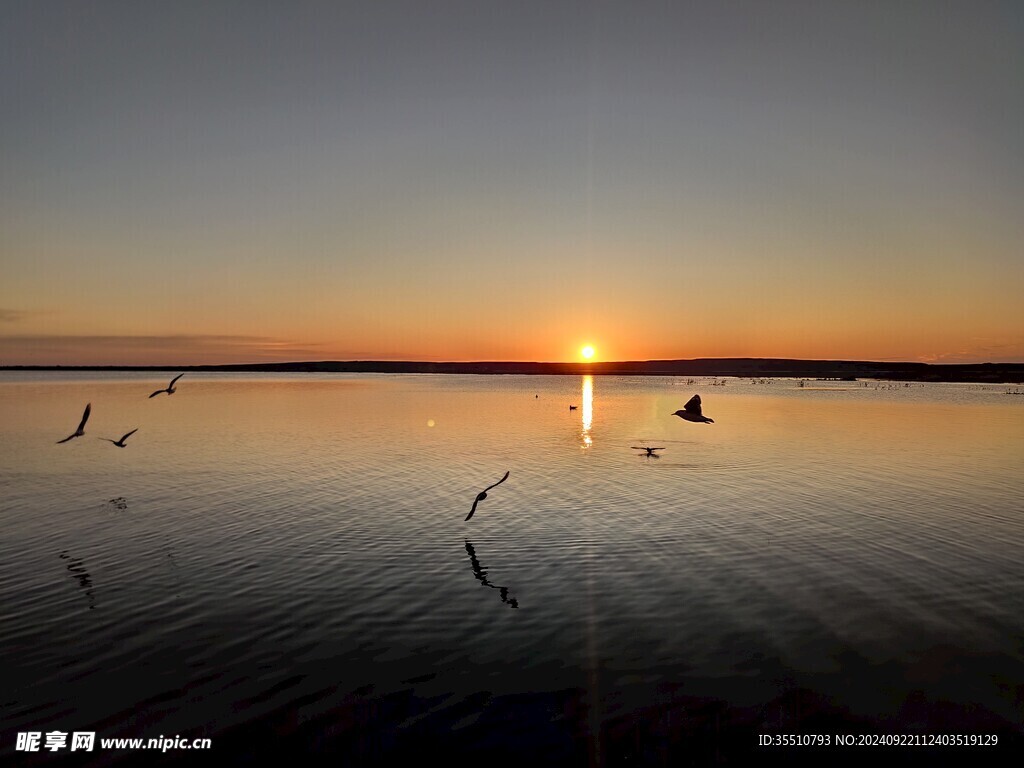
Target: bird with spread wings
x,y
81,426
120,443
170,387
483,495
692,412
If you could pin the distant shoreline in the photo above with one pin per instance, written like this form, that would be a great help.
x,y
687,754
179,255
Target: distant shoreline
x,y
995,373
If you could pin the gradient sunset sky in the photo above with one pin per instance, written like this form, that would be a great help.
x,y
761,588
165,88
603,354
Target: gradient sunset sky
x,y
204,182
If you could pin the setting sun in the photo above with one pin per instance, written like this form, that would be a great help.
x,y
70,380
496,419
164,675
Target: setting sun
x,y
587,352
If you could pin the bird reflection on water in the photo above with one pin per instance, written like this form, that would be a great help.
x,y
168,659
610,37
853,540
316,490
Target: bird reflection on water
x,y
77,570
481,576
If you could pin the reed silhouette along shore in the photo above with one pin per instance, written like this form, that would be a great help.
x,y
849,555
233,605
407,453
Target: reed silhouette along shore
x,y
743,367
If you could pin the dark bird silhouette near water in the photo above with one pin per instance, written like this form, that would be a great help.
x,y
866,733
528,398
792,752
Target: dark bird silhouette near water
x,y
650,451
120,443
170,387
481,576
572,407
483,495
81,427
691,412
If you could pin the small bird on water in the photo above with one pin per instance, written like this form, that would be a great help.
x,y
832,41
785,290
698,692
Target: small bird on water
x,y
81,426
170,387
691,412
120,443
650,451
483,495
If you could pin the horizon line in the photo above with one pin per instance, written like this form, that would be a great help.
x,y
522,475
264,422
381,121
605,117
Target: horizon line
x,y
579,363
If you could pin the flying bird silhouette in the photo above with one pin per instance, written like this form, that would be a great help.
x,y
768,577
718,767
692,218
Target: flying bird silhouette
x,y
483,495
170,387
81,427
120,443
691,412
572,407
650,451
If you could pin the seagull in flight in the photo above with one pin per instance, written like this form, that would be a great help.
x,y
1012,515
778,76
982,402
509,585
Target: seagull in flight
x,y
81,427
483,495
650,451
170,387
120,443
691,412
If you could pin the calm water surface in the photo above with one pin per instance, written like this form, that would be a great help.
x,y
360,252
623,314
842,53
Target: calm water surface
x,y
283,563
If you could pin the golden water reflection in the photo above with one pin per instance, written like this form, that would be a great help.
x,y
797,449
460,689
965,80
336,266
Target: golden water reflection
x,y
588,411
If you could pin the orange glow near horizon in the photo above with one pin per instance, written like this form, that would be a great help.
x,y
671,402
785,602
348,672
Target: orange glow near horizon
x,y
260,322
281,313
52,344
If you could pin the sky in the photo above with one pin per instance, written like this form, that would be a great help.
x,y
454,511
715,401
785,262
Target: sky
x,y
228,182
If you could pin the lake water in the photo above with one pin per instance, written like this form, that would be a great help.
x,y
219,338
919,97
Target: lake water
x,y
281,564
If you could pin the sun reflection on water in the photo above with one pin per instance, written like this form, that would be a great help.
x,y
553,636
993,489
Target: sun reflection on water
x,y
588,410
